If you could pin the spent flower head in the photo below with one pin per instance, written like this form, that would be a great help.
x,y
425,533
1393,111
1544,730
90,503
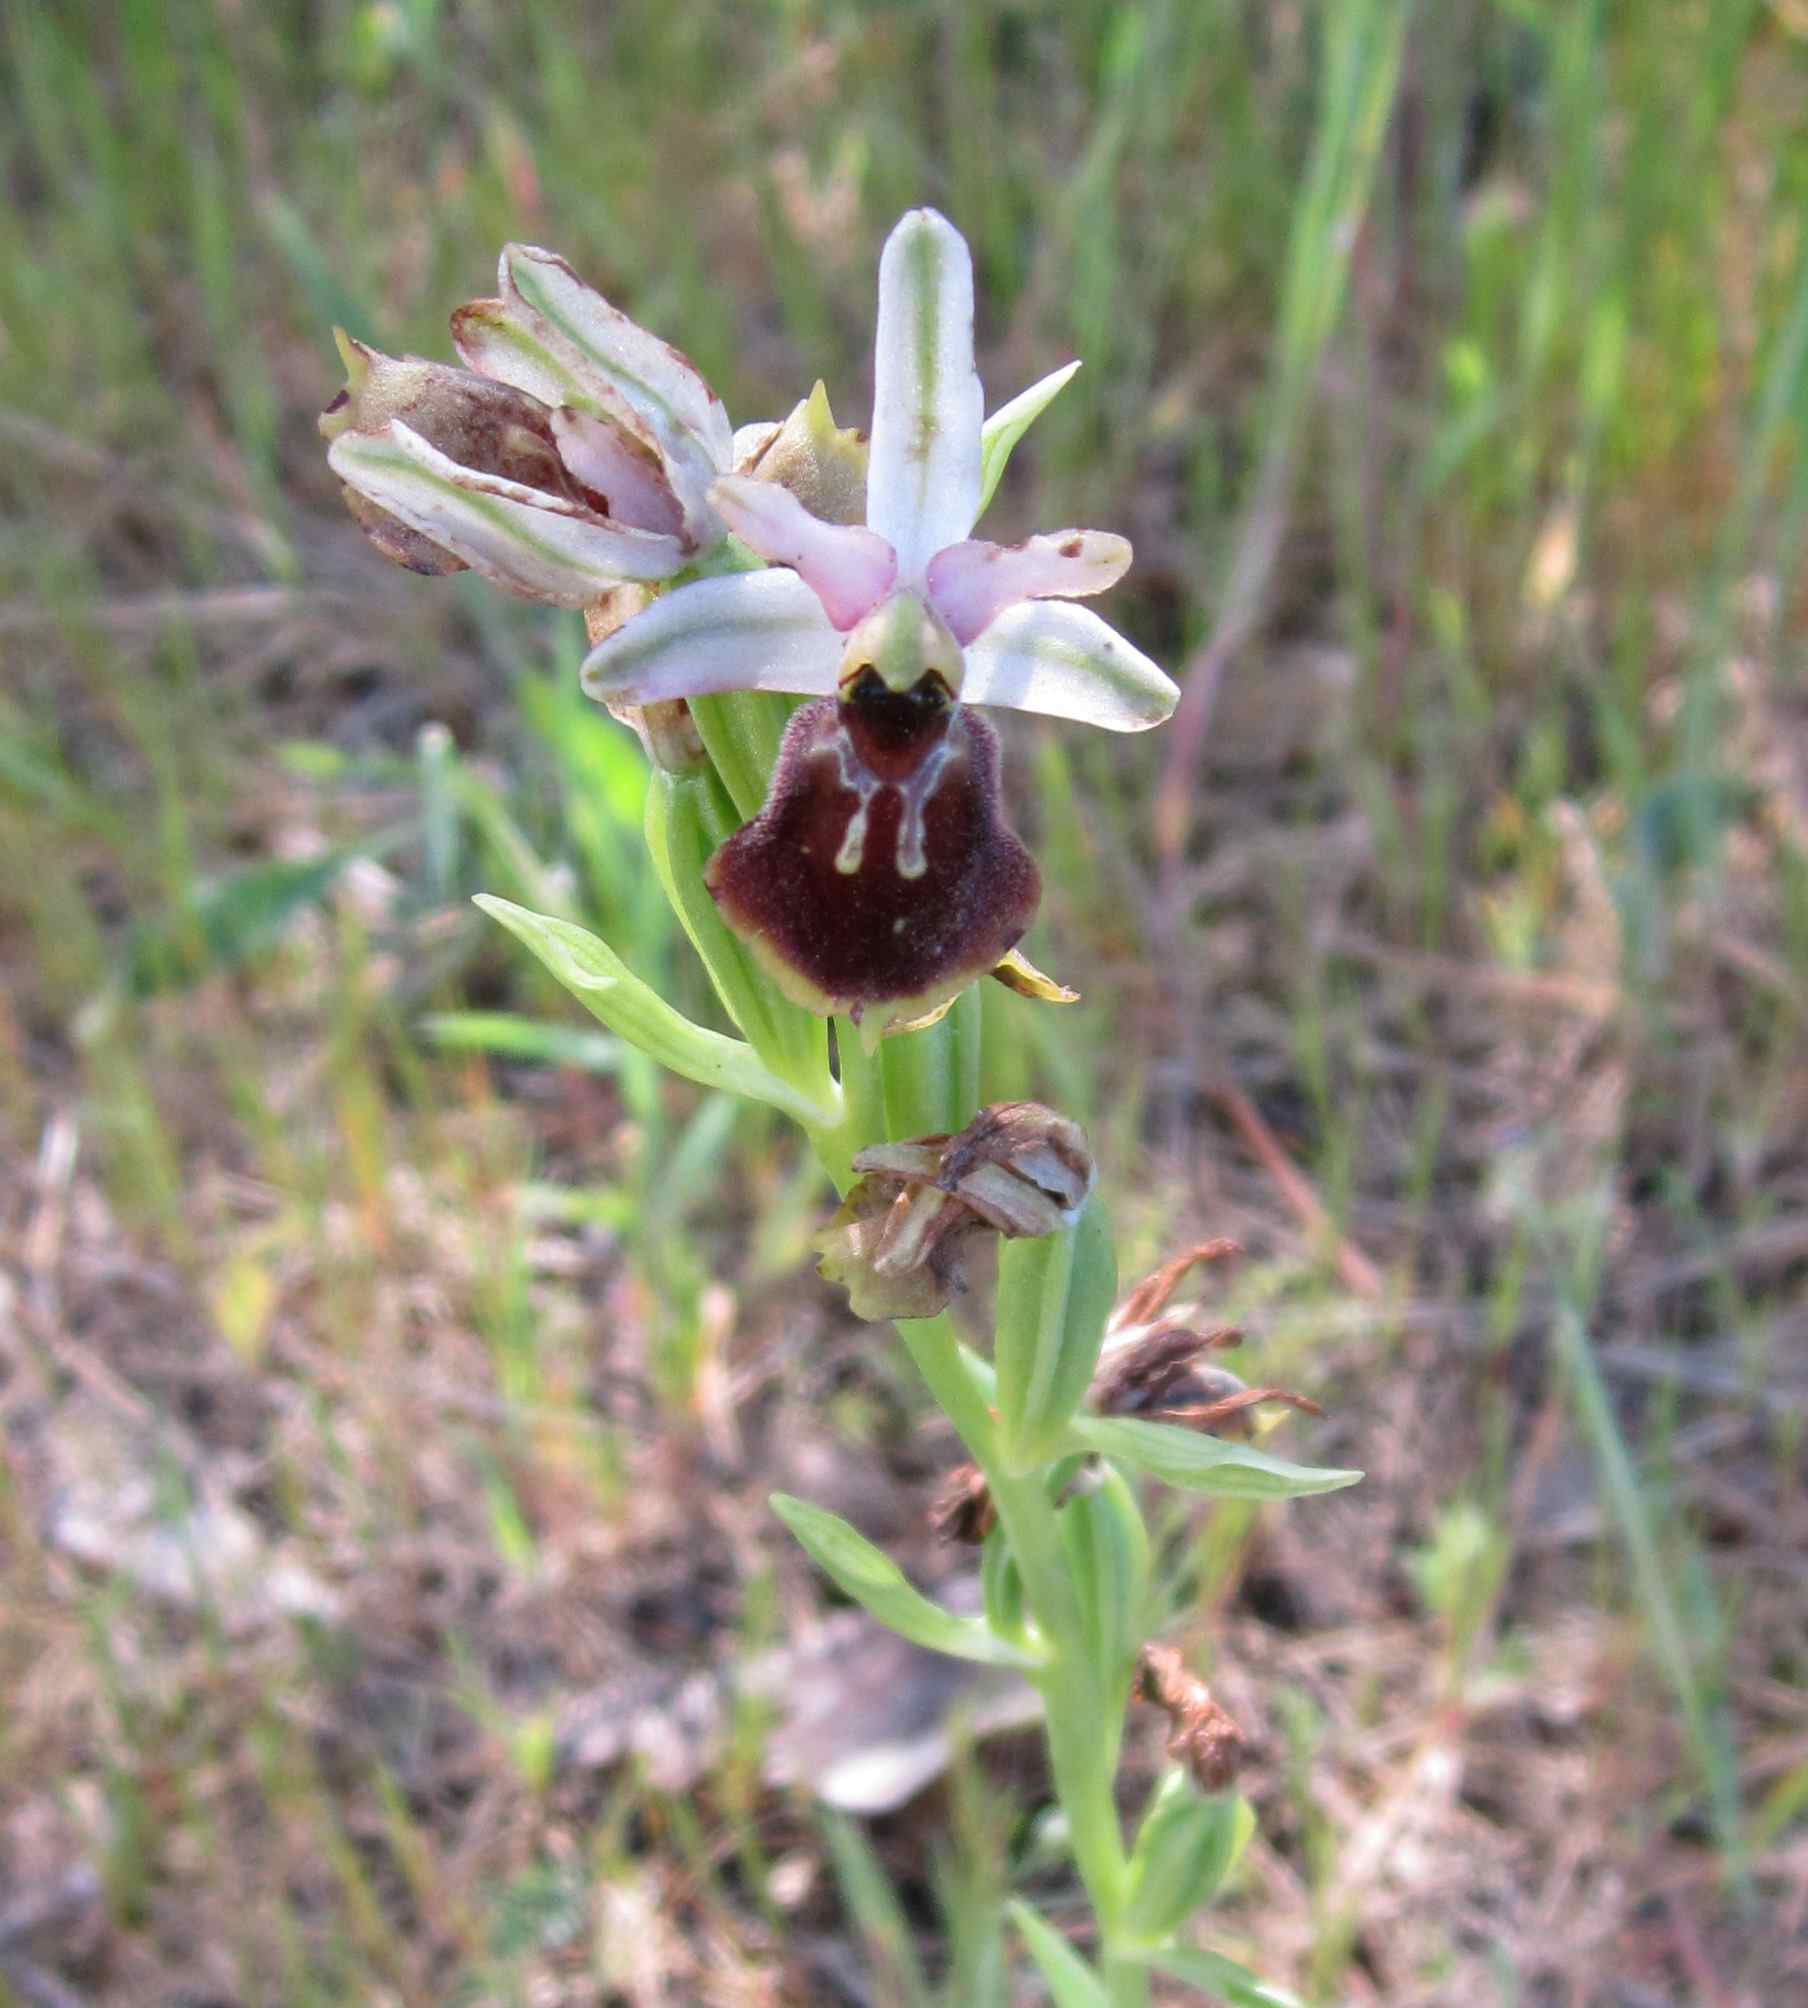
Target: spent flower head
x,y
900,1241
1201,1736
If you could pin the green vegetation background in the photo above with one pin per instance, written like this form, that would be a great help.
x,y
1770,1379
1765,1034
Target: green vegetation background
x,y
1448,373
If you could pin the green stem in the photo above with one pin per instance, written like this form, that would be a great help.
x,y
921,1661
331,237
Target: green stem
x,y
931,1078
1076,1709
1082,1747
921,1084
947,1370
1126,1981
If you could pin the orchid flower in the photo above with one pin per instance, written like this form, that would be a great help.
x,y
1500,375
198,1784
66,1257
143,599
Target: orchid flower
x,y
880,878
850,589
575,454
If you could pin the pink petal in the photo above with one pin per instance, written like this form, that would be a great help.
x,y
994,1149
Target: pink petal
x,y
849,569
613,464
971,583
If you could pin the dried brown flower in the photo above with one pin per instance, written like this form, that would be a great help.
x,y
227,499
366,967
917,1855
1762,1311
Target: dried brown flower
x,y
1161,1377
1200,1734
898,1242
1154,1367
962,1510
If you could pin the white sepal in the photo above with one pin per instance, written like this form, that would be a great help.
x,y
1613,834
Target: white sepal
x,y
539,545
745,631
1043,655
923,479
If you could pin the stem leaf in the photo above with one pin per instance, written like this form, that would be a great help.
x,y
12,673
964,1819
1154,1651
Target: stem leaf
x,y
1204,1464
598,978
1223,1979
1070,1980
877,1584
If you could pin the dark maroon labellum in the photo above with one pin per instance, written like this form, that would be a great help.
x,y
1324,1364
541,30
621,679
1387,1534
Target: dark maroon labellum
x,y
880,871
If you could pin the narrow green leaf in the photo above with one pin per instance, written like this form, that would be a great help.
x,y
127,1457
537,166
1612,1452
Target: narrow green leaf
x,y
872,1899
1204,1464
609,990
1221,1978
225,923
515,1038
877,1584
1070,1980
1001,432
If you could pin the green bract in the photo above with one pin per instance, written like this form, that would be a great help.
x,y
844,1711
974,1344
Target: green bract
x,y
1053,1299
876,1582
600,981
1202,1463
1187,1844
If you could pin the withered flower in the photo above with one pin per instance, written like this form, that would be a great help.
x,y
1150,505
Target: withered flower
x,y
1163,1377
880,878
1155,1367
1152,1367
1200,1735
575,452
962,1510
899,1241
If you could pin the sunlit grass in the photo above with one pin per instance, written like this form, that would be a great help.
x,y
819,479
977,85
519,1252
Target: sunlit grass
x,y
1488,346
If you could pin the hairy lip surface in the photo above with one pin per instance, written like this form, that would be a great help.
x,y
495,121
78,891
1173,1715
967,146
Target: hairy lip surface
x,y
835,886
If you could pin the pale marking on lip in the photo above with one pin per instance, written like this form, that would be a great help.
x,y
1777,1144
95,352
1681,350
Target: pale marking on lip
x,y
860,782
916,793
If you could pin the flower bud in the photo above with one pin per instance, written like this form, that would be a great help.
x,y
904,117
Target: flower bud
x,y
1185,1847
482,425
821,463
